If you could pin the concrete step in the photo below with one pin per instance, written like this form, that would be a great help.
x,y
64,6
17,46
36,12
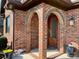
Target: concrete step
x,y
65,56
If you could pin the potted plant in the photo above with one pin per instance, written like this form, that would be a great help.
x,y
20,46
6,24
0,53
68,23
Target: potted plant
x,y
3,43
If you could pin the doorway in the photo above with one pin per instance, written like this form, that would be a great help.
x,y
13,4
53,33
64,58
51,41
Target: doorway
x,y
34,31
52,42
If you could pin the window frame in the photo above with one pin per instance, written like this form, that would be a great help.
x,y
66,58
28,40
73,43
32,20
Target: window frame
x,y
8,25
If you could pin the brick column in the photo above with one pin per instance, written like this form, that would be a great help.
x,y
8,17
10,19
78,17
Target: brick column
x,y
62,46
42,41
62,39
28,40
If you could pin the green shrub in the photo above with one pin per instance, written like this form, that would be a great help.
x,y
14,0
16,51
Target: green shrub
x,y
3,43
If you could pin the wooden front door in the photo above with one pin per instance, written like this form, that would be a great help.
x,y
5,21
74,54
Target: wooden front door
x,y
52,31
34,31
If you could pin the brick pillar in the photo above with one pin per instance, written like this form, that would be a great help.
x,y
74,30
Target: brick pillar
x,y
62,40
62,46
42,41
28,40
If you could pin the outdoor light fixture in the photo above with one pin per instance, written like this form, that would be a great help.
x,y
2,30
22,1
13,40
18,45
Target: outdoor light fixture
x,y
72,20
10,6
74,1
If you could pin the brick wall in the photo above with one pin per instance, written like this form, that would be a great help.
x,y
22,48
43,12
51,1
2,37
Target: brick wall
x,y
19,29
34,31
22,21
10,34
22,38
22,28
73,31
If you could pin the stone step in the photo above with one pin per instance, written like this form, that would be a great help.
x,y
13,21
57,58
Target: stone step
x,y
63,56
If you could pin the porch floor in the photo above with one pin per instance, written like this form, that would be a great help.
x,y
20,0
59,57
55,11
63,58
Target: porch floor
x,y
36,53
65,56
50,52
23,56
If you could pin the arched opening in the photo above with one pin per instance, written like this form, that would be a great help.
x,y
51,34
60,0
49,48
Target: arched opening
x,y
52,35
34,31
52,41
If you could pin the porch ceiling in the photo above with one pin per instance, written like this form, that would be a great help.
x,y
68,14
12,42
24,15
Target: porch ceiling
x,y
62,4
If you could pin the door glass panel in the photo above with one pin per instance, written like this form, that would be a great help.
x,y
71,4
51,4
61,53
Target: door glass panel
x,y
54,27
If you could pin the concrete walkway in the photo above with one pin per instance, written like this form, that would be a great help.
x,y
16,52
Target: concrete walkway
x,y
23,56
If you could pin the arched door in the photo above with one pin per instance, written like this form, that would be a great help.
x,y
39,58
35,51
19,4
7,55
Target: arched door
x,y
53,31
34,31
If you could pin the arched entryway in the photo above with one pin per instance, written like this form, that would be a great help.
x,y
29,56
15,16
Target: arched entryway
x,y
44,27
34,31
52,41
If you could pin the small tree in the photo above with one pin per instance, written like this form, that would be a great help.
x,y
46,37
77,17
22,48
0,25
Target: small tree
x,y
3,43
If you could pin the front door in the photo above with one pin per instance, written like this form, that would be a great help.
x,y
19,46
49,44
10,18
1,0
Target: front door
x,y
52,31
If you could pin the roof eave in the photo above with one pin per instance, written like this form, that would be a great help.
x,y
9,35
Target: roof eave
x,y
31,3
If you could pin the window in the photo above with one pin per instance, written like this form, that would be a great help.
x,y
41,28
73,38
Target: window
x,y
8,24
54,28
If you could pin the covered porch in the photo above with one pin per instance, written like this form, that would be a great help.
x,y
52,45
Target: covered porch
x,y
46,36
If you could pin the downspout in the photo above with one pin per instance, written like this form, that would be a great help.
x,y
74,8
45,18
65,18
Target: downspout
x,y
13,29
74,1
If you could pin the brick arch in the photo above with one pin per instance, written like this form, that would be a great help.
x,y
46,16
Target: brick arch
x,y
52,23
34,31
61,20
56,12
29,35
30,15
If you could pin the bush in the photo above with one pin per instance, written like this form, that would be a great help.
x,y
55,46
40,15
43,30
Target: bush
x,y
3,43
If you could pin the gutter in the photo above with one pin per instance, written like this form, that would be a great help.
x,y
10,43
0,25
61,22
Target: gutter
x,y
74,1
13,30
0,5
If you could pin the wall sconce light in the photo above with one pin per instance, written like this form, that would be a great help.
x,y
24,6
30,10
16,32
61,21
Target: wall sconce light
x,y
72,20
10,6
